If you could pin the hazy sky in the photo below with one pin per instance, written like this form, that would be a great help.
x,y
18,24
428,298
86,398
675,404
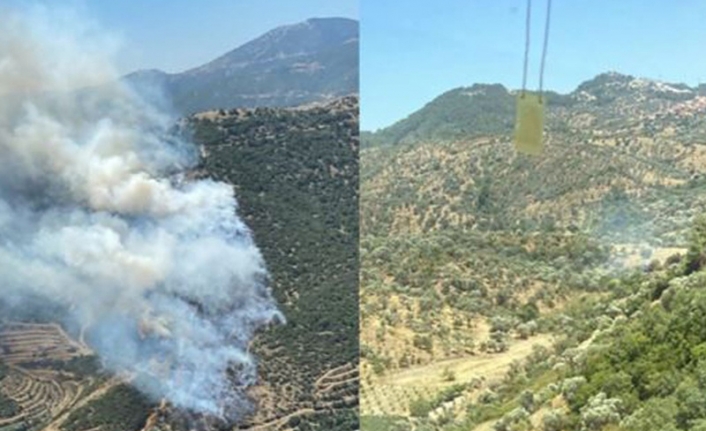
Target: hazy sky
x,y
412,51
174,35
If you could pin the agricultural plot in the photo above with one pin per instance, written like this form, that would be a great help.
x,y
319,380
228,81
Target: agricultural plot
x,y
393,394
34,385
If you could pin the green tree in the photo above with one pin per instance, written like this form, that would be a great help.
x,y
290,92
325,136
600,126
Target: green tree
x,y
553,420
656,414
420,408
695,256
527,400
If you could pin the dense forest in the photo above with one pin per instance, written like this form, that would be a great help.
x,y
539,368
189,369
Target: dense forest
x,y
633,359
295,174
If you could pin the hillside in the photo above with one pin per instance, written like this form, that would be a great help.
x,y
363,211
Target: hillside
x,y
294,172
315,60
614,137
477,110
472,254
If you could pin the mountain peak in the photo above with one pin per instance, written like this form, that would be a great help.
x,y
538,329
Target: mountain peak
x,y
312,60
605,79
608,86
288,41
477,91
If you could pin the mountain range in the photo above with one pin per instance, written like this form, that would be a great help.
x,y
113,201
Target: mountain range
x,y
315,60
485,109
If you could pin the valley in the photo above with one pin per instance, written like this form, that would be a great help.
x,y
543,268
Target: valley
x,y
474,257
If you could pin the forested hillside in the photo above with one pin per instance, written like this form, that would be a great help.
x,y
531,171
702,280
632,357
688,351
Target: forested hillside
x,y
482,269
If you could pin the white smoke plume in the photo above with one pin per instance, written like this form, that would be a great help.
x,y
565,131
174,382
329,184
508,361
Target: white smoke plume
x,y
95,215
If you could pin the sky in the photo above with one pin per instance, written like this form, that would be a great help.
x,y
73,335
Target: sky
x,y
176,35
415,50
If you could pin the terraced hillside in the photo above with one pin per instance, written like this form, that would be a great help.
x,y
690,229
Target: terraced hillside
x,y
23,343
43,374
472,254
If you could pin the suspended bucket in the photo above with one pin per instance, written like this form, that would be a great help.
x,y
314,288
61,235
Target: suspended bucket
x,y
529,123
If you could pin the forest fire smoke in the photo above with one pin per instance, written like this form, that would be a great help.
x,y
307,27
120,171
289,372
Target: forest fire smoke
x,y
95,215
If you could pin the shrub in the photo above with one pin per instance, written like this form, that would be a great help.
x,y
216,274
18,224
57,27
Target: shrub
x,y
420,408
599,412
553,420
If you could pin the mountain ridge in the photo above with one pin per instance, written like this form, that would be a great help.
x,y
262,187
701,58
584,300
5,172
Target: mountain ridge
x,y
339,32
313,60
481,109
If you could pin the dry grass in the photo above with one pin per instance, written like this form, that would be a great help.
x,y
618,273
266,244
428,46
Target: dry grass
x,y
391,394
